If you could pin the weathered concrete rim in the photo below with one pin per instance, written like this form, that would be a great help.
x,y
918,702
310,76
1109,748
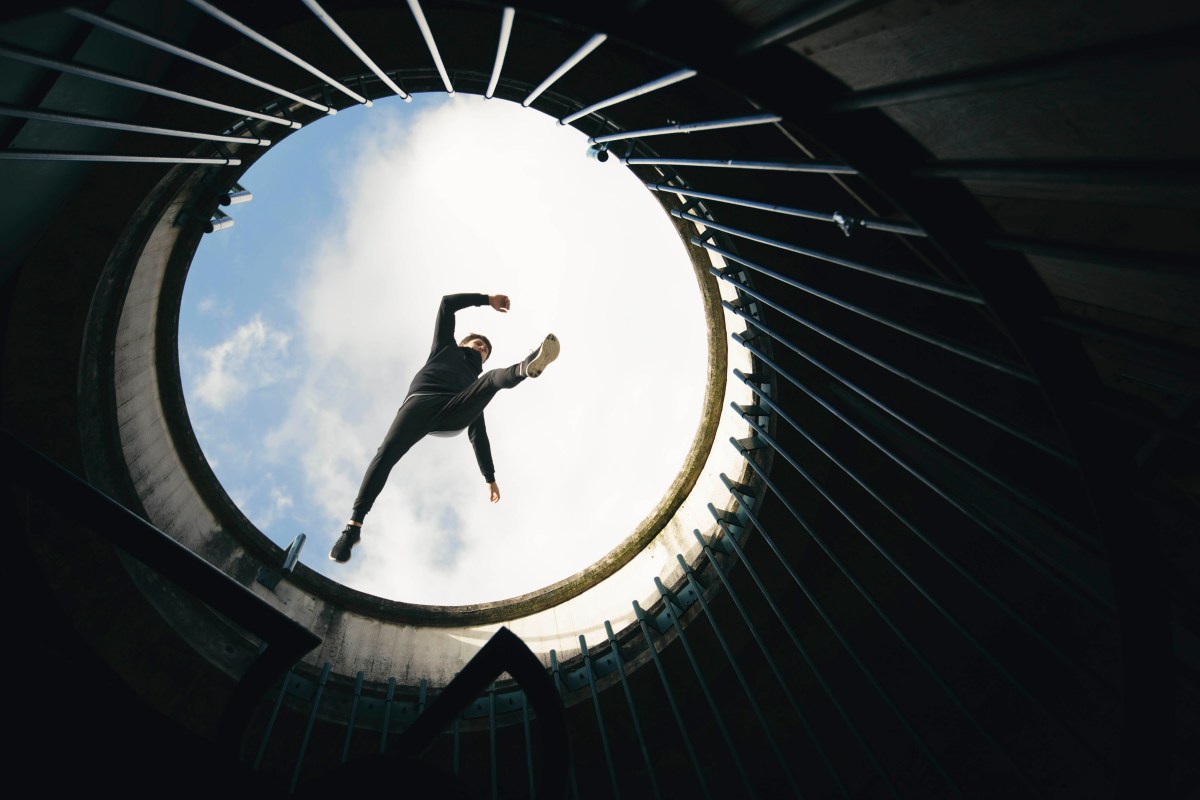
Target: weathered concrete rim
x,y
234,522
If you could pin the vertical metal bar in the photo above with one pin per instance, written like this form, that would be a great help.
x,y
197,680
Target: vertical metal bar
x,y
387,714
770,661
249,33
506,23
36,60
637,727
691,127
427,34
337,31
587,668
668,603
558,684
492,737
167,47
262,747
528,746
312,718
588,46
667,80
812,665
737,672
666,684
358,682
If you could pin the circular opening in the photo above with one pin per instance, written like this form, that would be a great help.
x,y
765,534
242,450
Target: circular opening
x,y
303,324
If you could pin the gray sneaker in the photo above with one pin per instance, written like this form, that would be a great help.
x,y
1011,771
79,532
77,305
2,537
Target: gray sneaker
x,y
341,548
539,359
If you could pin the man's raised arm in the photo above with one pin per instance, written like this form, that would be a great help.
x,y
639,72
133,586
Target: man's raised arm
x,y
443,329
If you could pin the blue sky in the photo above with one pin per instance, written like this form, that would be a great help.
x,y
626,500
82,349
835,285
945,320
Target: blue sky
x,y
302,325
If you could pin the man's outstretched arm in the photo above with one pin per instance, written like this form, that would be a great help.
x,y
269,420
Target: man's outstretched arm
x,y
477,433
443,328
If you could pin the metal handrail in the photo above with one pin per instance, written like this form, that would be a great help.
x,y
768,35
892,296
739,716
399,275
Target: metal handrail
x,y
286,640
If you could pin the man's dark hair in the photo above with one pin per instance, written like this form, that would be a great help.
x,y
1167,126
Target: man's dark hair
x,y
471,336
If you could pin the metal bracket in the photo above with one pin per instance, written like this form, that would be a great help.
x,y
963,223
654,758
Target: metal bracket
x,y
269,577
847,223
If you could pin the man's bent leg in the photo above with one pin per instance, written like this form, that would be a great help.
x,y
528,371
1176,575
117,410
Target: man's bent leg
x,y
411,424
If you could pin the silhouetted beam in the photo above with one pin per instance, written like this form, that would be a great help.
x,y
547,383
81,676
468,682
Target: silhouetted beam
x,y
1175,43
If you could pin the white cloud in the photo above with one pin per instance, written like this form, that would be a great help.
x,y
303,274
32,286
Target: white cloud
x,y
254,356
482,196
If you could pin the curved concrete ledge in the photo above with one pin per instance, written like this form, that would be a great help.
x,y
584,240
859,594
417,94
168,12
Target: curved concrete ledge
x,y
384,638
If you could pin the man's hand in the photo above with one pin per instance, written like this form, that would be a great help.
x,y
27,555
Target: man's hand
x,y
494,488
500,303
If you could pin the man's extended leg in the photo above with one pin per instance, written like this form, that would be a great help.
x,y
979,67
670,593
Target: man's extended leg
x,y
468,404
411,424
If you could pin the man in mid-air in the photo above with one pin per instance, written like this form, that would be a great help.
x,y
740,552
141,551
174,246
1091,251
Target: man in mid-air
x,y
447,395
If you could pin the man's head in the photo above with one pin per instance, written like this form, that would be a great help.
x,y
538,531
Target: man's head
x,y
477,341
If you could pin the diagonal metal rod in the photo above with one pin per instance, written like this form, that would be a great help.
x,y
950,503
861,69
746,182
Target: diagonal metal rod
x,y
1033,561
506,24
873,359
26,57
731,748
95,122
797,25
1109,172
907,280
871,601
737,672
666,684
430,42
783,682
779,166
936,341
1173,43
31,155
646,88
1007,486
995,422
590,671
922,745
1134,260
341,34
837,218
999,602
250,33
690,127
580,54
800,648
615,649
167,47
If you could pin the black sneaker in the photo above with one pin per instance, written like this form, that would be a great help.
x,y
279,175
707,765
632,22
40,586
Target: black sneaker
x,y
341,548
539,359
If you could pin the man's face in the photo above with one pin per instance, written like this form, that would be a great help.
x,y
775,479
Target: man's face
x,y
478,344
